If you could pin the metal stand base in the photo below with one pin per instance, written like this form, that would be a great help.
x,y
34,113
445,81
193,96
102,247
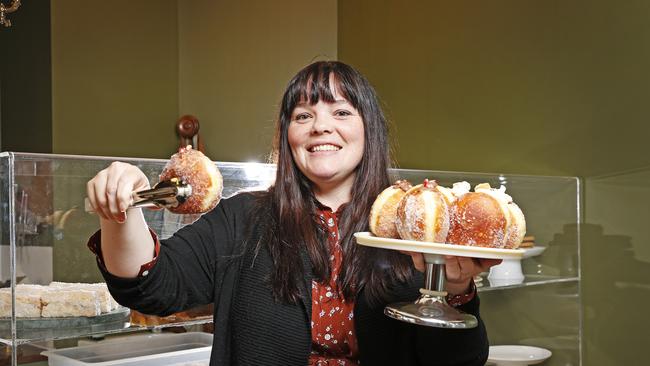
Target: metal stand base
x,y
431,308
431,311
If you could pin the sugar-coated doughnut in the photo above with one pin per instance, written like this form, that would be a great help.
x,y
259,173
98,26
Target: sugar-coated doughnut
x,y
517,229
477,219
384,210
195,169
423,214
487,217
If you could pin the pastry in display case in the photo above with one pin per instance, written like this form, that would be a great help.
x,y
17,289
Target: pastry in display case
x,y
200,314
48,274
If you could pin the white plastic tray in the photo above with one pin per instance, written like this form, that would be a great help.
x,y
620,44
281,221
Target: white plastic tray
x,y
138,350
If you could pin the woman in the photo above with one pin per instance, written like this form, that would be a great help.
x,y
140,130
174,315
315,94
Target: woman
x,y
289,284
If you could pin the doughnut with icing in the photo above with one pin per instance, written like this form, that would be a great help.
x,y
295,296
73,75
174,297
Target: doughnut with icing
x,y
201,173
384,210
423,214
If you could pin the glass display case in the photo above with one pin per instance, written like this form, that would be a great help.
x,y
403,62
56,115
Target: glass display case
x,y
45,228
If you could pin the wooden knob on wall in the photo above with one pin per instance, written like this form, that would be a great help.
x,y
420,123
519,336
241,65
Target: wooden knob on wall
x,y
187,128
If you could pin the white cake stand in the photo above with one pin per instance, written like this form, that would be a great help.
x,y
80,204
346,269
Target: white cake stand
x,y
509,272
431,308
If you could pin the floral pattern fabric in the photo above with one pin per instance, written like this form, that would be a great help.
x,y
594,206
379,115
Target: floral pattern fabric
x,y
334,341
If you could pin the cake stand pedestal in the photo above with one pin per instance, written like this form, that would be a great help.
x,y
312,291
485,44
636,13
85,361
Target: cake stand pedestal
x,y
431,308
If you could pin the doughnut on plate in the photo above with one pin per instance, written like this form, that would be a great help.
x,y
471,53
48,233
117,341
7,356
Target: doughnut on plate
x,y
368,239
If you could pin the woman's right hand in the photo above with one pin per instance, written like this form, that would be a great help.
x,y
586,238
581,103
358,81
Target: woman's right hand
x,y
109,192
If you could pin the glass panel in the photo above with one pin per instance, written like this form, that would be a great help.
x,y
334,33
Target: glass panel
x,y
551,208
52,229
616,262
526,313
543,316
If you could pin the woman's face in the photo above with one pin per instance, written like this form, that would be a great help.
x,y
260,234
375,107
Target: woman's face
x,y
327,141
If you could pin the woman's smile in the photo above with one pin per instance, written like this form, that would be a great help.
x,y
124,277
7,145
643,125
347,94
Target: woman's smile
x,y
323,148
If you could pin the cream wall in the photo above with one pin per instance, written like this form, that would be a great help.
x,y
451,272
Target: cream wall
x,y
122,78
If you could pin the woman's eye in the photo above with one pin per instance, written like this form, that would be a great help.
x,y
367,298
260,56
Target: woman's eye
x,y
342,113
301,117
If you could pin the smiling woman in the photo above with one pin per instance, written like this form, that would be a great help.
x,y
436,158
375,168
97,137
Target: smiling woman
x,y
327,144
289,283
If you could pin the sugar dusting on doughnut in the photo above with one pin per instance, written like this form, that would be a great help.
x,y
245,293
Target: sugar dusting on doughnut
x,y
477,219
516,222
423,214
517,229
384,210
197,170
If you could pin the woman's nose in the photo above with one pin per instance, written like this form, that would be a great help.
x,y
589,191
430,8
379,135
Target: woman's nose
x,y
321,125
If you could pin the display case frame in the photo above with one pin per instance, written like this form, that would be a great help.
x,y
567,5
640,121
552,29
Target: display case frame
x,y
55,184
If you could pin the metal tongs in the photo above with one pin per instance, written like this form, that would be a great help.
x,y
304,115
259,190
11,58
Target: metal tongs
x,y
165,194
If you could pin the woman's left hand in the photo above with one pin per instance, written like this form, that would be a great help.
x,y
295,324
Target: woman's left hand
x,y
459,270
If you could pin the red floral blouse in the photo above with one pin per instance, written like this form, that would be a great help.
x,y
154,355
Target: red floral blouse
x,y
334,341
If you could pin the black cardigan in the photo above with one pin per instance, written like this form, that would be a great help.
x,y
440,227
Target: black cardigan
x,y
210,261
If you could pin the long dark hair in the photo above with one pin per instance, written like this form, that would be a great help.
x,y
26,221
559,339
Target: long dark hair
x,y
291,204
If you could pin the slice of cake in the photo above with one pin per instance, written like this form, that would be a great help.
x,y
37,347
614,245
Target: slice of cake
x,y
70,302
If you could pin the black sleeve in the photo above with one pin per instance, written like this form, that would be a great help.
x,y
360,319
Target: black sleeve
x,y
458,347
184,273
386,341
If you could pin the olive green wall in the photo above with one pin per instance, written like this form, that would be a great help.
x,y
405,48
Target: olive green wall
x,y
534,87
114,77
235,59
539,87
121,78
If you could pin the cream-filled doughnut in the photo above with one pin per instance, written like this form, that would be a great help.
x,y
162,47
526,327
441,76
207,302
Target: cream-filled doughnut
x,y
477,219
517,230
486,217
384,210
516,227
452,194
423,214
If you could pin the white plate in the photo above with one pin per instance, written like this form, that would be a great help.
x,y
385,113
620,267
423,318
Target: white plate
x,y
517,355
368,239
534,251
